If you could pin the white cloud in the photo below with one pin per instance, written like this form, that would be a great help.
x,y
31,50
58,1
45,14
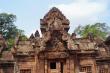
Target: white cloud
x,y
82,8
84,11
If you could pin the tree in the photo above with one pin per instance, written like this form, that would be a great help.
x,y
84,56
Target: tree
x,y
98,29
8,29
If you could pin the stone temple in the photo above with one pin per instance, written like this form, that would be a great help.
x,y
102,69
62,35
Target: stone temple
x,y
56,51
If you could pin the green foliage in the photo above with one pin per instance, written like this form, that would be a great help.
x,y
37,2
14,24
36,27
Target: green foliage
x,y
8,29
10,43
23,38
98,29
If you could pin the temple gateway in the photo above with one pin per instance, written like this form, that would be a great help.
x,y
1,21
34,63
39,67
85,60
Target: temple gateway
x,y
56,51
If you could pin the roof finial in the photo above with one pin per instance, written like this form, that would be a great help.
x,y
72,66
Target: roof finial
x,y
37,33
32,36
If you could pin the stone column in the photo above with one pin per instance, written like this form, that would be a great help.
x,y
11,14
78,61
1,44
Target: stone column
x,y
37,63
46,69
94,66
68,65
71,65
108,68
76,63
59,67
14,67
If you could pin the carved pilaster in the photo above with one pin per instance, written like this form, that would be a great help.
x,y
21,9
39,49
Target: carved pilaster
x,y
46,67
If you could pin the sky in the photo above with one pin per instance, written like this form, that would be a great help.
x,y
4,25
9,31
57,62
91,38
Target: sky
x,y
79,12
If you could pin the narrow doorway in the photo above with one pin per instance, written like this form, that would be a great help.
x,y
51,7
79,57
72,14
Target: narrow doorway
x,y
55,67
61,64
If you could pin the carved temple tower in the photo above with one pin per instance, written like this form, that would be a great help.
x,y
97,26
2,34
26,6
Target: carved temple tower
x,y
56,51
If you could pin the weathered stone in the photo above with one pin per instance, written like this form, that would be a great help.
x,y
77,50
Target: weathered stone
x,y
56,51
37,33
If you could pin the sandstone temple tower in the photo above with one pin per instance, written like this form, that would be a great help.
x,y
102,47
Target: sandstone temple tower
x,y
56,51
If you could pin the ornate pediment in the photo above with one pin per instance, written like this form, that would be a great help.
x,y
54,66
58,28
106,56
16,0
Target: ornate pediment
x,y
55,13
54,20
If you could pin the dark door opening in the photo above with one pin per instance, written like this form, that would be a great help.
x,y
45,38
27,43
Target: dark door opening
x,y
53,65
61,64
